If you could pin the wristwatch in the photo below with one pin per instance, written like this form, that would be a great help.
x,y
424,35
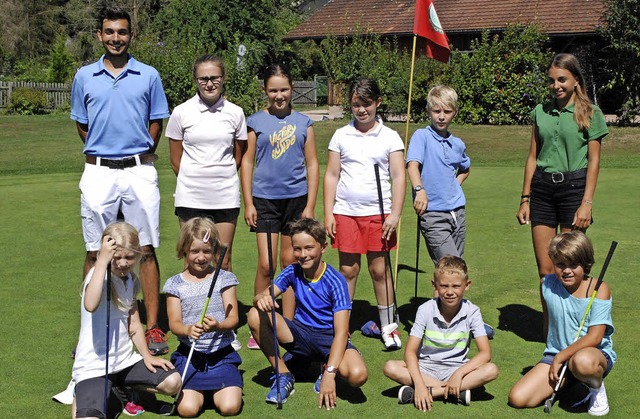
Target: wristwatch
x,y
331,369
418,188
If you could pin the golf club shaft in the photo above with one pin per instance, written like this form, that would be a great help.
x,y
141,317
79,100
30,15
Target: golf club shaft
x,y
387,255
216,273
276,349
106,358
415,291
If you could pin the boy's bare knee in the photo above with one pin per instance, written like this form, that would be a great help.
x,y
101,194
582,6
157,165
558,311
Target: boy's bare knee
x,y
390,369
253,319
491,372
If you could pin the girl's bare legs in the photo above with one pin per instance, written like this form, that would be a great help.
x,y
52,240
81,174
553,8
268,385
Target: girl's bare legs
x,y
350,268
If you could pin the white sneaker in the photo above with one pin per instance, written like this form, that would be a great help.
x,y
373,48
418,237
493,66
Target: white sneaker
x,y
465,397
235,344
405,395
391,340
598,401
66,396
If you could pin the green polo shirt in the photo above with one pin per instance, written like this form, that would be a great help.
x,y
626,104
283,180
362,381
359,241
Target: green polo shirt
x,y
562,147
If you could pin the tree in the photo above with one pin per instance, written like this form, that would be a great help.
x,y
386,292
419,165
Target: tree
x,y
621,28
504,76
61,64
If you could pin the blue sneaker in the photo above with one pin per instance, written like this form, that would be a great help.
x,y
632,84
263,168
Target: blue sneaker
x,y
490,331
285,389
316,386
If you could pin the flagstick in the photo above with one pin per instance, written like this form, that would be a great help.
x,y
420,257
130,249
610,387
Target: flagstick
x,y
406,141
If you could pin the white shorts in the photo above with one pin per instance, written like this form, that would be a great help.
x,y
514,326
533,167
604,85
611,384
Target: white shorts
x,y
134,191
438,371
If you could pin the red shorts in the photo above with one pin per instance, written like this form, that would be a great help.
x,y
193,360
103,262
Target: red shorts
x,y
361,235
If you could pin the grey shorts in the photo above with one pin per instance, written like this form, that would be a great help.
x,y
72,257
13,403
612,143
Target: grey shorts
x,y
90,392
445,232
437,371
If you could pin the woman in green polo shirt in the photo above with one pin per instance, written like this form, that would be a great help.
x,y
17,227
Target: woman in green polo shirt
x,y
561,171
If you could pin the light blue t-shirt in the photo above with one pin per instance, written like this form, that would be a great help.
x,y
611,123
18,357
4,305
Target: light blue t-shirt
x,y
280,171
441,158
565,314
192,297
118,109
318,300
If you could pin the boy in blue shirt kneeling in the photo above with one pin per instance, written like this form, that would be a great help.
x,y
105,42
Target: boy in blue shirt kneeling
x,y
320,328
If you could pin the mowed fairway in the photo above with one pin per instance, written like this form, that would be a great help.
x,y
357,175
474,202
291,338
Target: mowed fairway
x,y
42,254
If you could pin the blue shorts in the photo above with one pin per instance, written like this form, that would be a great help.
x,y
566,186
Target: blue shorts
x,y
309,342
555,197
279,211
213,371
548,359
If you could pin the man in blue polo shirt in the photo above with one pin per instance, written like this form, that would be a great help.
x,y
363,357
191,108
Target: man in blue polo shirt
x,y
118,104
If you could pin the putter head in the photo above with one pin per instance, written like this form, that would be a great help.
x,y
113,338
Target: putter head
x,y
390,327
548,404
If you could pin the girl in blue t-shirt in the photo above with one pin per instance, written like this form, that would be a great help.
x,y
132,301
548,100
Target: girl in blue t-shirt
x,y
283,185
213,370
566,295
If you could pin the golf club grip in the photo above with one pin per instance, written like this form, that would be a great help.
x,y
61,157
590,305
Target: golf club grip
x,y
223,252
605,265
376,168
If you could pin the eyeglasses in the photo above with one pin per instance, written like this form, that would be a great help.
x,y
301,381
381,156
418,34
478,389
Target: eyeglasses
x,y
205,80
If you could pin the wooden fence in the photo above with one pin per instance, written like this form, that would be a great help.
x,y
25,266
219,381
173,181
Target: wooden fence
x,y
58,94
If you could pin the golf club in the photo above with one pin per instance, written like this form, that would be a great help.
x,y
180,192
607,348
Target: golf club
x,y
387,259
223,251
415,290
106,358
276,348
548,404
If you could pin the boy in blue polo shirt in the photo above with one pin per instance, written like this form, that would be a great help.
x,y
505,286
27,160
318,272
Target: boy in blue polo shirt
x,y
435,359
437,165
320,328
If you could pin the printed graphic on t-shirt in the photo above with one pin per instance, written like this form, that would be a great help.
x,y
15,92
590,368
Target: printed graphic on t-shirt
x,y
282,140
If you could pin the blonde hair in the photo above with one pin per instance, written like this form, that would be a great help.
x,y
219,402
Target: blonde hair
x,y
572,247
443,96
451,265
126,237
583,107
197,228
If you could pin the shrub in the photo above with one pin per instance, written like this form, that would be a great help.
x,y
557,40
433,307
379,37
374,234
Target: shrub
x,y
27,101
503,78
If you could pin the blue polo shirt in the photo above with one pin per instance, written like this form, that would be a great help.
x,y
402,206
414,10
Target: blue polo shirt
x,y
117,109
317,300
441,158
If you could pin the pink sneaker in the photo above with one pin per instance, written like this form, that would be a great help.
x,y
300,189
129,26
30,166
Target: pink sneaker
x,y
133,409
252,344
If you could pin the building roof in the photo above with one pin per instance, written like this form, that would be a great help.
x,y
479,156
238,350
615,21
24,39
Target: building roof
x,y
395,17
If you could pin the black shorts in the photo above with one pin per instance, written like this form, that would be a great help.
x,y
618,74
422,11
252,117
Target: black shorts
x,y
555,197
279,211
226,215
90,392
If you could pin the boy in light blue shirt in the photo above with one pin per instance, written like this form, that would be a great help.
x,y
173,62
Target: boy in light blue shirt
x,y
437,165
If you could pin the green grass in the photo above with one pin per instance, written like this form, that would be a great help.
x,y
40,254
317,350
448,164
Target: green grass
x,y
42,248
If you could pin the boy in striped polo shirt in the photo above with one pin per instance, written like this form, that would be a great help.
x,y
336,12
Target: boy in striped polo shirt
x,y
435,359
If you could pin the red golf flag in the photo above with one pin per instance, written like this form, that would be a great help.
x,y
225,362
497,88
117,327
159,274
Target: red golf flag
x,y
427,25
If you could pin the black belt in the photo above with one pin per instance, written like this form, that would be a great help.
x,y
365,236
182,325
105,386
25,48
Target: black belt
x,y
124,163
559,177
